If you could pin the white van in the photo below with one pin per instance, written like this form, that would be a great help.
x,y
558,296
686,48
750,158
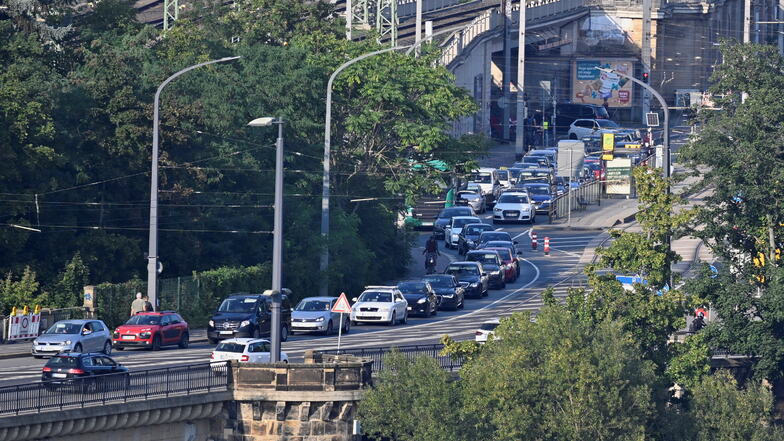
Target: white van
x,y
487,179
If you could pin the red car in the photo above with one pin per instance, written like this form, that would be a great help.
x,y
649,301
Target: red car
x,y
510,264
152,330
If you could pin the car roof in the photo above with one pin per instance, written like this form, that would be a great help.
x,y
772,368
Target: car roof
x,y
322,298
245,340
485,169
465,217
496,231
79,354
479,251
155,313
77,321
476,224
517,192
464,263
380,287
495,321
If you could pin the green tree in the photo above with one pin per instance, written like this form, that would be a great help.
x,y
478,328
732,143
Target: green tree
x,y
67,291
558,378
412,400
20,292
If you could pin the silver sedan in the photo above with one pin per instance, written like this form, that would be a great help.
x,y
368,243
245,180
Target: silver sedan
x,y
471,198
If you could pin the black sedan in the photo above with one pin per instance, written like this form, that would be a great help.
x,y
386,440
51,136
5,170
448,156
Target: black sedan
x,y
85,371
421,298
492,265
487,236
473,274
450,292
445,218
469,235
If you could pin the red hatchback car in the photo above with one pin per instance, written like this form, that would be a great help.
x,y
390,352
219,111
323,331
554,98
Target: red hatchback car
x,y
152,330
510,264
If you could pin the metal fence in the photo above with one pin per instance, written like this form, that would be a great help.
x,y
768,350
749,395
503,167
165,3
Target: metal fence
x,y
114,388
377,355
575,200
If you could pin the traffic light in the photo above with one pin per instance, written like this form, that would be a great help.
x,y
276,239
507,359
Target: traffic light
x,y
646,77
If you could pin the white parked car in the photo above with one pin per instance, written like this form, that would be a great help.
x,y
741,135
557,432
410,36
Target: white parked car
x,y
452,231
584,128
384,304
245,350
485,330
514,206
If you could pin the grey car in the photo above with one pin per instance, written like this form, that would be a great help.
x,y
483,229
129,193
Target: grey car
x,y
473,199
314,314
73,336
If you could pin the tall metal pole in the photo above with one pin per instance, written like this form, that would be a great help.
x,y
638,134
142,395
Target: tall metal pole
x,y
418,26
507,72
647,7
746,21
152,254
277,246
324,261
349,19
522,113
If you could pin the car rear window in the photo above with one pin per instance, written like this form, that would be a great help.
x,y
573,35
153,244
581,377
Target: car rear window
x,y
60,361
231,347
488,326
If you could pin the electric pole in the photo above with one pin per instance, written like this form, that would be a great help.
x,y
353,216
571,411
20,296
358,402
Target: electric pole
x,y
647,7
746,21
507,75
522,113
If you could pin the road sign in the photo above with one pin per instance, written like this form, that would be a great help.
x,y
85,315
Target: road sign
x,y
21,326
342,306
607,157
652,119
633,146
570,157
608,142
619,179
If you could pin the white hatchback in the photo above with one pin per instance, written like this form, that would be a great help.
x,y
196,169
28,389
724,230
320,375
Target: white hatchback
x,y
485,330
513,206
245,350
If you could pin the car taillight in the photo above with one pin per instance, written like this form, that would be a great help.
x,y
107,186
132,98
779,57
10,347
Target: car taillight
x,y
244,358
478,332
75,371
212,356
47,369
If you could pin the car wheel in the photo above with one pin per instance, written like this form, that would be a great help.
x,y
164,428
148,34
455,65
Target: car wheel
x,y
462,303
156,343
107,348
434,311
533,220
284,333
119,348
485,293
37,356
78,347
503,285
346,326
572,136
405,319
184,341
393,320
328,331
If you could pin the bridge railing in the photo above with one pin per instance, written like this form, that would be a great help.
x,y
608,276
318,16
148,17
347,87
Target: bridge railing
x,y
575,200
412,351
485,21
113,388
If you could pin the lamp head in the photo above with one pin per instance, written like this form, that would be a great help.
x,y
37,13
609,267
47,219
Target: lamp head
x,y
264,121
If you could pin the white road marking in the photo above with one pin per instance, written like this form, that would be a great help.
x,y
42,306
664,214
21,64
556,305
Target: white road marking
x,y
565,252
528,231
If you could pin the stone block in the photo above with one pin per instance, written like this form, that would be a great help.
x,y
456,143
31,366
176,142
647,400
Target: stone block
x,y
304,411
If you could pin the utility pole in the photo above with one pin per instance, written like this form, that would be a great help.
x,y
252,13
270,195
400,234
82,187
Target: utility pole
x,y
522,113
647,7
349,19
507,75
418,26
780,19
746,21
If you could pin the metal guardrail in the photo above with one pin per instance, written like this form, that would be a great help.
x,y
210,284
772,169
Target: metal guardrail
x,y
407,8
576,199
377,355
113,388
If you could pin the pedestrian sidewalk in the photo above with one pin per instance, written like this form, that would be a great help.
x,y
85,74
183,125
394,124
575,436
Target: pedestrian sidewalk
x,y
609,213
22,348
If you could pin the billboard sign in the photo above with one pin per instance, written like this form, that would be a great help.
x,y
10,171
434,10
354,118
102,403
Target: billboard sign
x,y
592,86
571,153
619,176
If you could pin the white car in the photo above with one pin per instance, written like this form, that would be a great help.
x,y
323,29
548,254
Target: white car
x,y
452,231
584,128
487,179
245,350
485,330
384,304
504,178
514,206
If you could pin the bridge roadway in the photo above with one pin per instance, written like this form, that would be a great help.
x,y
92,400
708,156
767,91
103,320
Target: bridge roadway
x,y
562,268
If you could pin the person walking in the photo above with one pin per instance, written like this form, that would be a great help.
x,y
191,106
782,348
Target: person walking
x,y
137,305
147,305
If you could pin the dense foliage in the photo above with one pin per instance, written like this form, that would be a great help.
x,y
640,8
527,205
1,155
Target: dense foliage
x,y
77,106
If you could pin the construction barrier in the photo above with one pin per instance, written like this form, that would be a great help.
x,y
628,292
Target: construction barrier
x,y
546,246
23,324
533,240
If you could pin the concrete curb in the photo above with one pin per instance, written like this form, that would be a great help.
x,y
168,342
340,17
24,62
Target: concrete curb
x,y
27,353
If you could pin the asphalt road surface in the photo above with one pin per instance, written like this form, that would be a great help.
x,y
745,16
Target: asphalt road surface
x,y
561,269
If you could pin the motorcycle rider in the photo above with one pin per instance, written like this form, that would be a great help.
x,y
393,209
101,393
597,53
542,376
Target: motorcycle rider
x,y
431,252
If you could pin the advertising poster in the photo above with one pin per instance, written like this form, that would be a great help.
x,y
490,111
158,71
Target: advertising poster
x,y
619,176
592,86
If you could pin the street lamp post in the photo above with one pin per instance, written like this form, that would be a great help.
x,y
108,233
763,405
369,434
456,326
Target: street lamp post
x,y
324,262
277,241
152,255
666,139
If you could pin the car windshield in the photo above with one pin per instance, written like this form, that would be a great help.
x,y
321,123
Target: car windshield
x,y
448,213
412,288
513,199
477,229
65,328
482,177
313,305
238,304
462,270
231,347
474,187
505,254
375,296
458,223
503,175
488,326
439,281
538,189
535,160
466,194
63,361
605,123
144,320
500,235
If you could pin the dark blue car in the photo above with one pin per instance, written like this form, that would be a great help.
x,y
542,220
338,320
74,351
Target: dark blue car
x,y
541,196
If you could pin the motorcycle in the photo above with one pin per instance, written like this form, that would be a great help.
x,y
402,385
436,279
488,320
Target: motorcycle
x,y
430,263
